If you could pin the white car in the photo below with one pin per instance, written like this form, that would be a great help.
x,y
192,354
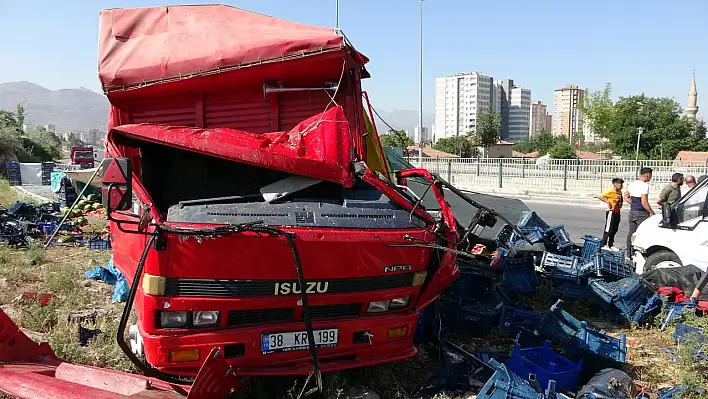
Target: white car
x,y
677,237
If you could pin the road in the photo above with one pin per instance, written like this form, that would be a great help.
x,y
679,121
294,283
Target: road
x,y
579,220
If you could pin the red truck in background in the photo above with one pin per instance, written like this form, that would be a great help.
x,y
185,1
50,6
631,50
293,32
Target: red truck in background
x,y
250,203
82,156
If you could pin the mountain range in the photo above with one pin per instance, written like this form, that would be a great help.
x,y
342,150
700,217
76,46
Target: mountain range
x,y
77,110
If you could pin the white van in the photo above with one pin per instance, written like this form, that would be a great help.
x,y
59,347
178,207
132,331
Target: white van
x,y
677,237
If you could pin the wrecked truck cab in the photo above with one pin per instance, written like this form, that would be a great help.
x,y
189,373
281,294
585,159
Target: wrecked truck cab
x,y
265,222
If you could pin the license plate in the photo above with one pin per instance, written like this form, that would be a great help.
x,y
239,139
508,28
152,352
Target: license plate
x,y
295,341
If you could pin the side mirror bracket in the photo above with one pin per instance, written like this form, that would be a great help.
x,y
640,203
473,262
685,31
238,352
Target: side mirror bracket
x,y
668,216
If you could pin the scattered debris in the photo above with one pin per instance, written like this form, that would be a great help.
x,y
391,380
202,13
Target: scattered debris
x,y
111,276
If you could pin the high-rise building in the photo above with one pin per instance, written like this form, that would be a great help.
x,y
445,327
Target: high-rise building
x,y
519,115
692,108
460,99
567,115
540,120
417,136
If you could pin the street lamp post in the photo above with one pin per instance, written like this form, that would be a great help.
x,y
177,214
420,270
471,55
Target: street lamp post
x,y
336,23
639,136
420,91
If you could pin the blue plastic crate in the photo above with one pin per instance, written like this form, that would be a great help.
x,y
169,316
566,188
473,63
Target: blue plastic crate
x,y
509,238
506,385
472,283
651,307
617,256
531,219
684,333
568,290
520,274
600,348
558,239
98,244
591,247
46,228
611,266
560,327
470,316
563,267
514,320
546,365
627,295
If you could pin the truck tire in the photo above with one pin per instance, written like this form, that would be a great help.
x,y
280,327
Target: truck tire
x,y
662,259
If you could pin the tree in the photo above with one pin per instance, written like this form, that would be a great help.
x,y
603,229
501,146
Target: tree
x,y
701,132
488,130
396,138
527,145
458,145
665,129
20,116
544,142
562,150
598,110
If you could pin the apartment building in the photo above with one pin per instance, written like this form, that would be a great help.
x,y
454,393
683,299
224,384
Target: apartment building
x,y
567,115
519,118
461,98
540,120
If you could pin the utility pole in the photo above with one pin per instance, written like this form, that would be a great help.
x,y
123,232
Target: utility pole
x,y
336,24
420,91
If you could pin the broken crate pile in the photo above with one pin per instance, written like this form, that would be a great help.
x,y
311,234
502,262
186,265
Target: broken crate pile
x,y
552,348
24,223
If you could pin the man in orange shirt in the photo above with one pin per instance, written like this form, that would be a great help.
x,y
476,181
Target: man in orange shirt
x,y
613,199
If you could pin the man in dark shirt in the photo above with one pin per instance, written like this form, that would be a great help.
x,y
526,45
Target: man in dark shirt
x,y
672,192
637,196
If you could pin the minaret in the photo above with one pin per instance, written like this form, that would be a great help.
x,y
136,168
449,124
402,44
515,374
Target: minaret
x,y
692,108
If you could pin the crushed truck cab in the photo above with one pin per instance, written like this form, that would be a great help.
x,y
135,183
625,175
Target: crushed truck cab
x,y
250,203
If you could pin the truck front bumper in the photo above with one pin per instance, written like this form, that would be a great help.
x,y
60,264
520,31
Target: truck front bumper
x,y
350,351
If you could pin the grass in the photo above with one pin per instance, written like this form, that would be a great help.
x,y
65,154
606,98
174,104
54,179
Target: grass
x,y
7,195
654,359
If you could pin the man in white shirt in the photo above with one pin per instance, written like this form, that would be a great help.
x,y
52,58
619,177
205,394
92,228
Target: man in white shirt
x,y
637,196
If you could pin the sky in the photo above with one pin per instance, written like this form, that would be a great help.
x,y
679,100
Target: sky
x,y
647,46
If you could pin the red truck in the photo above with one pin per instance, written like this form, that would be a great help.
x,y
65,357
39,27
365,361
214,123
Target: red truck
x,y
82,156
250,204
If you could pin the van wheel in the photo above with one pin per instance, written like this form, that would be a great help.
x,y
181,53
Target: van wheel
x,y
662,260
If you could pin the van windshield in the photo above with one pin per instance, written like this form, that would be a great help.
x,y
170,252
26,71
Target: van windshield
x,y
693,206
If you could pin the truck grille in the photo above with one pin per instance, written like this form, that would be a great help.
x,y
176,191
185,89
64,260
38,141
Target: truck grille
x,y
251,316
325,312
250,288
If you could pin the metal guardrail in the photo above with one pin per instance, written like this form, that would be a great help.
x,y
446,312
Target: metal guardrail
x,y
554,174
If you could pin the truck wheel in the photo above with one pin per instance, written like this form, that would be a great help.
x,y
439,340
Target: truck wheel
x,y
661,260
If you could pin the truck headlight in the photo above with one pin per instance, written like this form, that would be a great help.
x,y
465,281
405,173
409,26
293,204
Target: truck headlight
x,y
398,303
378,306
205,318
173,319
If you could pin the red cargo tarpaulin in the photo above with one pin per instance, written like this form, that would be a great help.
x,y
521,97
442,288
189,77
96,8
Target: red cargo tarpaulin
x,y
147,45
318,147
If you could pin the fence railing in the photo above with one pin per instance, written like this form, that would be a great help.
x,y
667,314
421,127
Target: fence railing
x,y
554,174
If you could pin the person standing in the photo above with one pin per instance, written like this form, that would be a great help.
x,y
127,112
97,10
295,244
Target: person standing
x,y
672,192
637,195
690,182
613,199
